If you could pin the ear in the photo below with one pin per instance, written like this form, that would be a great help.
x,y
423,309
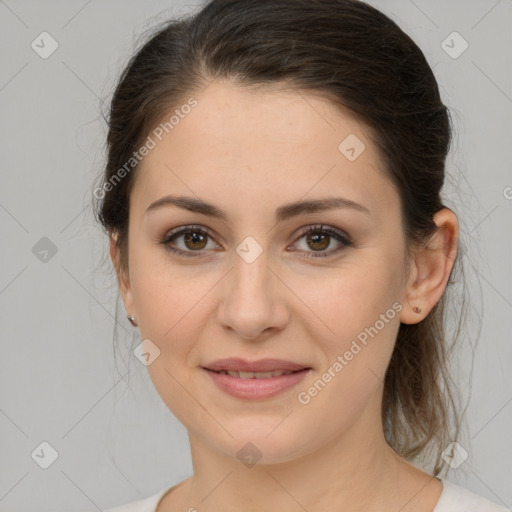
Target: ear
x,y
122,275
431,268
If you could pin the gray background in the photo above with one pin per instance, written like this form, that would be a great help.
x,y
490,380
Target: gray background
x,y
59,383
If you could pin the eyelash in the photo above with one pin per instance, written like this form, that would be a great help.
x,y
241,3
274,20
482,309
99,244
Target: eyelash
x,y
318,229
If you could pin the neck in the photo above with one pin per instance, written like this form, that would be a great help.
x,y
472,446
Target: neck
x,y
357,468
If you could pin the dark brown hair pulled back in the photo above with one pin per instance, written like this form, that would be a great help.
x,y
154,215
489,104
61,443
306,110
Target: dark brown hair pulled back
x,y
360,59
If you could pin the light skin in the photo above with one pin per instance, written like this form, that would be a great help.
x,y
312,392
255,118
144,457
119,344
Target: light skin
x,y
248,153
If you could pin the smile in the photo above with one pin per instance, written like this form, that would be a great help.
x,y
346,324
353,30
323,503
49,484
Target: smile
x,y
256,385
255,375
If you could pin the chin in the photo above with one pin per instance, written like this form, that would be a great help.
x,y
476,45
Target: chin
x,y
260,442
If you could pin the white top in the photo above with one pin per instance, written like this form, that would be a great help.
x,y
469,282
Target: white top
x,y
454,498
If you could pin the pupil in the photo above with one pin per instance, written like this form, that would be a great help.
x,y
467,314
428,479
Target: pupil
x,y
194,238
324,240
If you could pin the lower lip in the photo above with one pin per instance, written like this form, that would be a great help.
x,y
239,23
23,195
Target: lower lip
x,y
256,388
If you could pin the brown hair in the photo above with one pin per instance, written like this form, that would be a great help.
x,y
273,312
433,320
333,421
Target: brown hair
x,y
361,60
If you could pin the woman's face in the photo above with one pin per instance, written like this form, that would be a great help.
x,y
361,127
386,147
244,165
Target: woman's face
x,y
252,285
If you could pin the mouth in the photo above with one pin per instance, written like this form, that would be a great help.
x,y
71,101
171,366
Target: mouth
x,y
257,379
255,375
262,368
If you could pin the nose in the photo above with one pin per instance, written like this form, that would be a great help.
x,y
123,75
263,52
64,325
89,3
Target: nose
x,y
254,299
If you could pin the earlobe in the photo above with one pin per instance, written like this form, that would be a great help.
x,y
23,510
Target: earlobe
x,y
433,264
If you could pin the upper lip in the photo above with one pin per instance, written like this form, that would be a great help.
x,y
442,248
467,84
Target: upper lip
x,y
261,365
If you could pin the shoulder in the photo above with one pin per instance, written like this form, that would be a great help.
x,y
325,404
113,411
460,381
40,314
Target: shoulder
x,y
455,498
144,505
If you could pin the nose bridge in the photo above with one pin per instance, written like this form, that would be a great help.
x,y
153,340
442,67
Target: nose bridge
x,y
250,279
250,268
252,303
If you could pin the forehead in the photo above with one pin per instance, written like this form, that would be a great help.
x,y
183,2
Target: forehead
x,y
239,147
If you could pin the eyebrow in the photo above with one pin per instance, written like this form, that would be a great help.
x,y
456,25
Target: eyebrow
x,y
284,212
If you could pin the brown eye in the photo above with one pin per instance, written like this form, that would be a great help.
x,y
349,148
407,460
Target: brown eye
x,y
188,241
319,238
318,242
195,240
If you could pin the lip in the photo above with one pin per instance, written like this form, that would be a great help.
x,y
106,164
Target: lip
x,y
261,365
256,388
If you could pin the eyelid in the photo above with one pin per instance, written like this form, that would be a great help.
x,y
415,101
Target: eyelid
x,y
180,231
332,232
311,228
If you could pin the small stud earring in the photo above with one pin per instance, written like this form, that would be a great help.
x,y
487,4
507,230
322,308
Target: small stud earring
x,y
416,309
132,320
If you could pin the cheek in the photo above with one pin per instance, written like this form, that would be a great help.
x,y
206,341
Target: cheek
x,y
359,315
169,305
363,322
351,298
170,300
160,291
